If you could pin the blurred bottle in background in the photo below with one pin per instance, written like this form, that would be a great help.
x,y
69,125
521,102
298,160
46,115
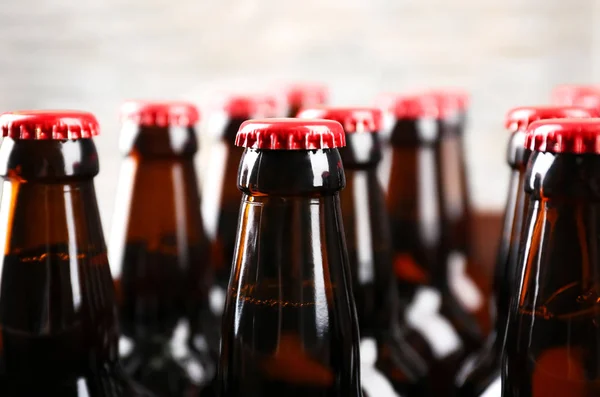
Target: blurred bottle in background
x,y
552,343
467,279
302,96
160,254
221,201
58,324
481,373
415,203
290,325
387,360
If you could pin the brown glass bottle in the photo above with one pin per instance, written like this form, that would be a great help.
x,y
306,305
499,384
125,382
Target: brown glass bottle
x,y
303,96
552,346
481,374
467,279
389,365
160,254
290,326
415,206
221,201
59,333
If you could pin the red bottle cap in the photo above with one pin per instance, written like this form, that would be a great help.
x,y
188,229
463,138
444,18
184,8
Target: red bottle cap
x,y
49,124
269,104
160,113
243,106
520,118
352,119
451,100
306,95
564,136
578,95
416,107
290,134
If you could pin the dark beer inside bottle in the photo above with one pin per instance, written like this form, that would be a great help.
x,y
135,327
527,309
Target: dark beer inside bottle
x,y
482,372
221,198
58,325
389,365
464,272
553,343
289,327
161,258
415,204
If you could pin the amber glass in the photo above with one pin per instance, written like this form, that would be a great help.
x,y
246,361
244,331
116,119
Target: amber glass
x,y
160,256
290,326
553,339
481,374
221,203
415,206
457,211
388,361
57,304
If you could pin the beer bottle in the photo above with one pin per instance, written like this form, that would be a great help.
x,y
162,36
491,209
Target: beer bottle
x,y
468,281
304,96
290,325
160,254
552,346
221,201
59,333
388,362
415,206
576,95
481,374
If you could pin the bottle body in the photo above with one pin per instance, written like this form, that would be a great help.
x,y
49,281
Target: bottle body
x,y
160,256
482,373
221,205
389,365
552,340
468,281
57,302
414,198
290,326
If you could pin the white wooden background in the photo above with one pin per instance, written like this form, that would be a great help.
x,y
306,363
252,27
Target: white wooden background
x,y
91,54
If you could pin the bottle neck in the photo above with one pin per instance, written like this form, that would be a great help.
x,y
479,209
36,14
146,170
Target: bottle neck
x,y
56,294
362,151
554,318
290,298
291,172
454,184
414,202
508,249
366,226
158,247
157,142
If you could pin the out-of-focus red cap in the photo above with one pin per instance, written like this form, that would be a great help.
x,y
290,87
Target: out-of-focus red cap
x,y
243,106
269,104
49,124
290,134
416,106
450,100
306,95
160,113
576,95
353,119
575,136
519,118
